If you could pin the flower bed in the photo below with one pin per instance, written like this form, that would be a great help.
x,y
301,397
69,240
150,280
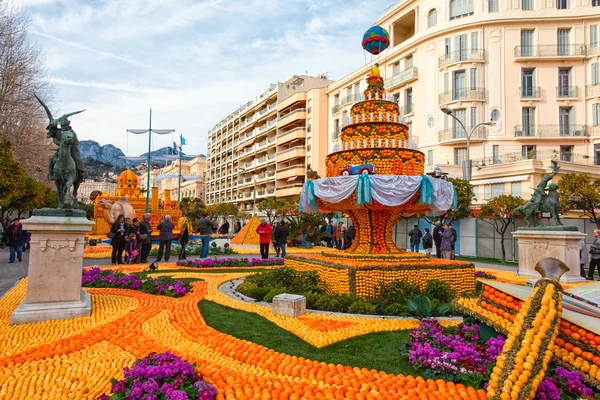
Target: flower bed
x,y
193,249
161,376
360,278
108,278
230,262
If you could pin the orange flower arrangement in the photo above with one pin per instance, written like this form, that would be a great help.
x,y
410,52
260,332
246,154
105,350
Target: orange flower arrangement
x,y
387,161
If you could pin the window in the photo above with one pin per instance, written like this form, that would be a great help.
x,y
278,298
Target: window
x,y
528,121
336,128
493,5
564,121
457,130
566,153
446,83
308,160
408,63
527,5
562,38
474,42
596,114
396,98
527,87
496,154
595,3
409,130
309,125
594,36
445,122
461,44
564,82
396,67
336,99
430,122
495,115
487,192
473,78
473,116
460,155
528,152
562,4
459,85
309,106
515,189
408,104
432,19
460,8
430,157
447,47
497,189
526,43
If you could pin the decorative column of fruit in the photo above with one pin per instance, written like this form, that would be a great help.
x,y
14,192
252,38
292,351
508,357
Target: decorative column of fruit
x,y
375,129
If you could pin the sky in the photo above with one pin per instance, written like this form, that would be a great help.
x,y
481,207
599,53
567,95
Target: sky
x,y
192,61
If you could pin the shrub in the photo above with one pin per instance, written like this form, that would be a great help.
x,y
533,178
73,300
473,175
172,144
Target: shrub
x,y
395,309
398,291
272,293
440,291
360,307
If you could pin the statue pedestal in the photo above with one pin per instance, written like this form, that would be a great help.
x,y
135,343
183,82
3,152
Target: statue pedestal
x,y
535,245
55,268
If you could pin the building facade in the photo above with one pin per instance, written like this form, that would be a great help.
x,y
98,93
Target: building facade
x,y
193,174
264,148
89,185
531,66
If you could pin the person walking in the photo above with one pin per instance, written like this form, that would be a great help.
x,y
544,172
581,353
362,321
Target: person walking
x,y
15,240
165,236
446,243
437,239
184,238
237,227
427,242
205,229
2,235
118,233
594,255
281,238
454,239
329,232
274,238
264,231
145,235
415,235
584,257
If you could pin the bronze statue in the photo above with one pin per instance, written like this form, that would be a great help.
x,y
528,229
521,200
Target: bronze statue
x,y
542,201
65,166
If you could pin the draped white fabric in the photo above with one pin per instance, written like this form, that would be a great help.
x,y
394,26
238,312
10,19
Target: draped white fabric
x,y
166,176
443,195
389,190
191,177
137,131
163,131
394,190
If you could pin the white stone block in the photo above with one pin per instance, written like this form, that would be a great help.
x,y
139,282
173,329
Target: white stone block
x,y
289,305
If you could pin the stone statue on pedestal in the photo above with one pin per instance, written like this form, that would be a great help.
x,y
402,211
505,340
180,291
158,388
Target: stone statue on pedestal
x,y
542,201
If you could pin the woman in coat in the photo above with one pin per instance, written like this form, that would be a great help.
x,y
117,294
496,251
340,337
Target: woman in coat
x,y
184,238
584,257
446,243
165,236
119,239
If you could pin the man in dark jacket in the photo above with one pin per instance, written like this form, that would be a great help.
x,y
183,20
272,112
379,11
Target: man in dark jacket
x,y
427,242
15,240
453,239
206,229
281,238
437,239
165,237
145,235
415,238
351,235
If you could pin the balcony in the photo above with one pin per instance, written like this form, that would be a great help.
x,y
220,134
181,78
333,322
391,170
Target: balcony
x,y
296,115
461,56
291,153
271,157
270,191
550,131
477,94
335,109
457,135
289,190
566,92
508,158
550,52
406,76
261,161
289,172
530,93
593,51
594,130
352,98
271,141
297,133
270,175
592,90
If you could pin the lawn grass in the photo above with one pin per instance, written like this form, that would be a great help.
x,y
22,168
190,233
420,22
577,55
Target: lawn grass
x,y
380,351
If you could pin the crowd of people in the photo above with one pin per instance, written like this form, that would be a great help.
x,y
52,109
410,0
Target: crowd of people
x,y
444,236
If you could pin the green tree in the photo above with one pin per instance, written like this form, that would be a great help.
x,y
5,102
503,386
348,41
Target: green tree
x,y
498,212
466,195
274,208
193,209
580,192
14,179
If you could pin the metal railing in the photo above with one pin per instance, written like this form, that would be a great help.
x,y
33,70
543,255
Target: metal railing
x,y
462,94
593,90
551,50
409,73
291,167
566,92
530,92
534,155
542,131
458,132
290,150
461,55
594,130
592,51
282,134
299,110
406,109
352,98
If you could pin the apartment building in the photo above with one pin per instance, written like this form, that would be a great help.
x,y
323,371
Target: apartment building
x,y
531,66
193,175
264,148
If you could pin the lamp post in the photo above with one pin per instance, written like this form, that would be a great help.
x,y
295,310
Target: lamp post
x,y
467,165
253,191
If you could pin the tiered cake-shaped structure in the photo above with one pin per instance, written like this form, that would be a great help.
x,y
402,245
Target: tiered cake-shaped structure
x,y
375,140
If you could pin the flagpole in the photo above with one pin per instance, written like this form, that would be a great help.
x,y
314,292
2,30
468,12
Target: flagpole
x,y
148,190
179,180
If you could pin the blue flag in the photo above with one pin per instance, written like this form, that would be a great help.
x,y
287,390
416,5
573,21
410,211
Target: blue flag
x,y
183,141
174,148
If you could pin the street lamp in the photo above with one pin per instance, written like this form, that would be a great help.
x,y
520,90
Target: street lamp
x,y
467,165
253,191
